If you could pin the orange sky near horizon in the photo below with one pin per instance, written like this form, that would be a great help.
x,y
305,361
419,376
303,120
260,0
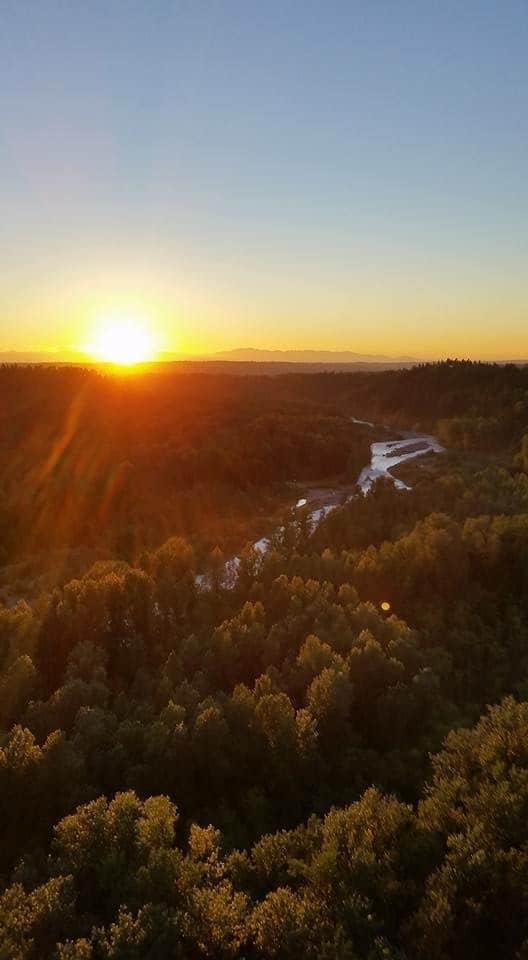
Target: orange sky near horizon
x,y
280,176
197,332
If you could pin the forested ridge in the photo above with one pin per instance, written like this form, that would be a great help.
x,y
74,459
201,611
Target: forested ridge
x,y
328,759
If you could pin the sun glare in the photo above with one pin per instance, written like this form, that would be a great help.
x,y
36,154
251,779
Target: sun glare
x,y
124,341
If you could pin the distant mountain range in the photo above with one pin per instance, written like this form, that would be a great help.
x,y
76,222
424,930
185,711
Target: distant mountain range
x,y
245,360
240,355
252,354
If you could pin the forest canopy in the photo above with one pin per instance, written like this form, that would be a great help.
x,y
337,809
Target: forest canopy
x,y
326,757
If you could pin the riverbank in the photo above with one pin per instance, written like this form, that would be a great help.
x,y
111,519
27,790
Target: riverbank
x,y
317,502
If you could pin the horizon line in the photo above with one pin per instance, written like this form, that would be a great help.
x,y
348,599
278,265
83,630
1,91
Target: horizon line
x,y
79,358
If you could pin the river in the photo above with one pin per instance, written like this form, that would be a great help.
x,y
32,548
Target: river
x,y
387,454
384,456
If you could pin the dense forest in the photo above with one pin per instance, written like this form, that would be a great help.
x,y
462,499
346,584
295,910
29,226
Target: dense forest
x,y
115,464
327,758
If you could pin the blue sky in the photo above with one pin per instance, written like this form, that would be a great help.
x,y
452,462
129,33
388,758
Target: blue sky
x,y
335,175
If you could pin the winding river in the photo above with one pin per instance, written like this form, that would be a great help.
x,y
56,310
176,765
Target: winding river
x,y
384,456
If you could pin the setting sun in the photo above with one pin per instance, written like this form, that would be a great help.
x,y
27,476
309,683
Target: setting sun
x,y
123,340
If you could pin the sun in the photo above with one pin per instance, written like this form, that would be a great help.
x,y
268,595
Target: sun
x,y
123,340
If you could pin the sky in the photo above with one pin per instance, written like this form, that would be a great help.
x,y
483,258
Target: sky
x,y
288,175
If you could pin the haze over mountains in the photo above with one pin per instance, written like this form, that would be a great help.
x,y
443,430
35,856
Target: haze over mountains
x,y
249,354
240,354
238,359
